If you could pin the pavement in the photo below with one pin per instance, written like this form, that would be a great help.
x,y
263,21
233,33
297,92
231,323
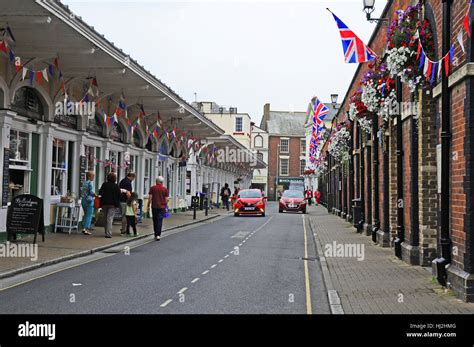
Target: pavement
x,y
380,282
234,265
59,247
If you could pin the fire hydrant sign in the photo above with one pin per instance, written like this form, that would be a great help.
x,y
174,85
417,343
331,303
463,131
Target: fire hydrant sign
x,y
25,216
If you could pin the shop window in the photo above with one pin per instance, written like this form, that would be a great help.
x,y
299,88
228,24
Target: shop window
x,y
28,103
59,168
115,159
19,165
147,176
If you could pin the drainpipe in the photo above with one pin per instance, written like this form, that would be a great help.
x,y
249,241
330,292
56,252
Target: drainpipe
x,y
329,183
400,221
415,220
375,146
444,239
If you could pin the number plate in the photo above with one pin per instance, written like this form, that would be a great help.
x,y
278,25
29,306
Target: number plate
x,y
249,208
292,206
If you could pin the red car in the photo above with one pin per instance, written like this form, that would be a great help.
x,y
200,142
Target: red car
x,y
292,200
249,202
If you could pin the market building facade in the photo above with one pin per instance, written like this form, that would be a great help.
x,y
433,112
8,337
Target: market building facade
x,y
76,103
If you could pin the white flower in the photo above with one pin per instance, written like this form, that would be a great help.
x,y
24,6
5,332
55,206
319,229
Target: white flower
x,y
365,124
339,146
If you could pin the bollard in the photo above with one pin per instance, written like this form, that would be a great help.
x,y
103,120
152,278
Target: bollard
x,y
206,206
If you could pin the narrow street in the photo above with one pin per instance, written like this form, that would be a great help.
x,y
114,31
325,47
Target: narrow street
x,y
196,270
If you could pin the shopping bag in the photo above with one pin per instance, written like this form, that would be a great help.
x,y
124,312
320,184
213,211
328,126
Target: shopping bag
x,y
97,202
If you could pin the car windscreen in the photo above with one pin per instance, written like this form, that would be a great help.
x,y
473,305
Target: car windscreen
x,y
293,194
250,194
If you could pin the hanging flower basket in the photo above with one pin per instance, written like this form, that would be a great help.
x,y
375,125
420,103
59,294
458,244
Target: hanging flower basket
x,y
339,145
402,54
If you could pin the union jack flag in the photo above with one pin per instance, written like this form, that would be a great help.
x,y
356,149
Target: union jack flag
x,y
355,51
320,112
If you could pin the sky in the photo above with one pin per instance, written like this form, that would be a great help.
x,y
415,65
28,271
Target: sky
x,y
236,53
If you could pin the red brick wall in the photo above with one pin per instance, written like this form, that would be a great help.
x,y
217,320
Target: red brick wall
x,y
294,162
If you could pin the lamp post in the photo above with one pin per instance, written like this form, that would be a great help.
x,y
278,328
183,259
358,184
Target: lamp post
x,y
369,8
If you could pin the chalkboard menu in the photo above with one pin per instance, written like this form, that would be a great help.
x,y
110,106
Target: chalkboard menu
x,y
82,170
25,216
5,176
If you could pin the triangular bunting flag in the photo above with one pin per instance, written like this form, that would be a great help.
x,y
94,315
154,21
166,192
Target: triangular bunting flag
x,y
45,75
461,41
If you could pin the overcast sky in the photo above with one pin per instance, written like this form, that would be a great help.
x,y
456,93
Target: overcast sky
x,y
236,53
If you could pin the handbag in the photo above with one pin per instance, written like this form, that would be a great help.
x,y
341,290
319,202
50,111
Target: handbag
x,y
97,203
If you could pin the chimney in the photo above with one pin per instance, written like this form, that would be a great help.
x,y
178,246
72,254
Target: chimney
x,y
266,110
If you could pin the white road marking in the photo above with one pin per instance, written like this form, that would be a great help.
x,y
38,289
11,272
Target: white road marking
x,y
213,266
76,284
166,303
226,256
221,260
240,235
195,280
240,244
205,272
182,290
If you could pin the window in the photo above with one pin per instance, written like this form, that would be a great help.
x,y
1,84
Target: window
x,y
136,139
302,166
19,172
59,168
147,176
116,133
284,145
114,164
258,141
19,147
260,156
28,103
303,147
284,167
239,124
90,158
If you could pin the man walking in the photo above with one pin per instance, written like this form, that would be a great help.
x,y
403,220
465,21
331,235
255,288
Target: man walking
x,y
126,191
158,198
225,195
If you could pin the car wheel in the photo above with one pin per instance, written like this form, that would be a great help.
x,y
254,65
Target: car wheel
x,y
236,214
263,214
280,211
304,211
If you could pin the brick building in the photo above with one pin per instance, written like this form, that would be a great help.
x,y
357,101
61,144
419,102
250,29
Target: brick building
x,y
286,148
396,176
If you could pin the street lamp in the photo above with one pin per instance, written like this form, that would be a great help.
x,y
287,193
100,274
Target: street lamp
x,y
334,98
369,8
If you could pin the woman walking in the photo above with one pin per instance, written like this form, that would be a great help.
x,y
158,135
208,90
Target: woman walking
x,y
87,201
110,201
